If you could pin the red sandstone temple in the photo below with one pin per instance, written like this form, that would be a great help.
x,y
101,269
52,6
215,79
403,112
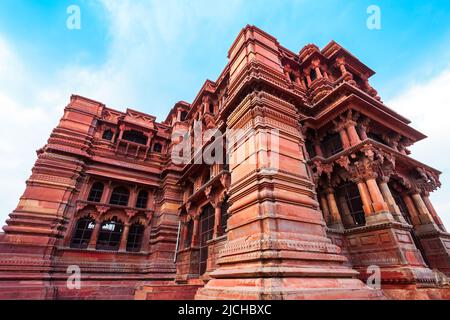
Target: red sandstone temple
x,y
346,197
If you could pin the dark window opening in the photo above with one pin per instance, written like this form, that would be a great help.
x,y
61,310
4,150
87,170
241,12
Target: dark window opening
x,y
134,136
108,134
83,232
310,149
376,137
350,192
157,147
211,108
292,76
142,199
95,195
224,215
332,144
110,235
312,74
190,230
135,236
207,176
120,196
401,204
206,234
183,115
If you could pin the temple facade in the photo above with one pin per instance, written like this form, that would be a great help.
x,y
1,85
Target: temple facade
x,y
313,194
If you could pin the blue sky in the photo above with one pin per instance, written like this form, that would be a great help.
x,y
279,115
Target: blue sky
x,y
149,54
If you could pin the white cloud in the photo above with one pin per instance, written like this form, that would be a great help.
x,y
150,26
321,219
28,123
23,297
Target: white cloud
x,y
427,105
147,40
28,113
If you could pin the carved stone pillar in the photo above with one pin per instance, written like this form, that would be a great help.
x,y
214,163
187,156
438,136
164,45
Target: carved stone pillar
x,y
94,237
146,238
424,215
336,221
317,148
344,138
380,207
387,195
378,203
217,220
414,214
318,73
365,197
106,193
352,133
308,79
124,239
345,211
433,212
325,209
195,232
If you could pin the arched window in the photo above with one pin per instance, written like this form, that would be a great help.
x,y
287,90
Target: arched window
x,y
120,196
134,136
108,134
110,235
224,215
95,195
350,193
83,232
142,199
157,147
135,236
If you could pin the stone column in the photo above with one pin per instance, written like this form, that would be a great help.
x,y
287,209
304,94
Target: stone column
x,y
146,237
106,193
308,79
365,198
94,236
375,194
217,220
124,239
352,133
303,83
318,149
433,212
387,195
195,233
344,138
414,214
318,73
346,215
133,197
325,209
424,215
336,221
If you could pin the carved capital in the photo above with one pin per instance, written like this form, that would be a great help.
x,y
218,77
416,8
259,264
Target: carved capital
x,y
102,209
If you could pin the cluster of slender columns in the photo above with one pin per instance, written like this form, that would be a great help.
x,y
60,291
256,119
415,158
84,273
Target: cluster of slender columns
x,y
377,198
217,231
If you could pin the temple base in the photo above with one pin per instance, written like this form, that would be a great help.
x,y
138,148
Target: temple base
x,y
287,289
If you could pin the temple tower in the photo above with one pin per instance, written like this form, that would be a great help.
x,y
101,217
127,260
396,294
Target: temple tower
x,y
276,246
